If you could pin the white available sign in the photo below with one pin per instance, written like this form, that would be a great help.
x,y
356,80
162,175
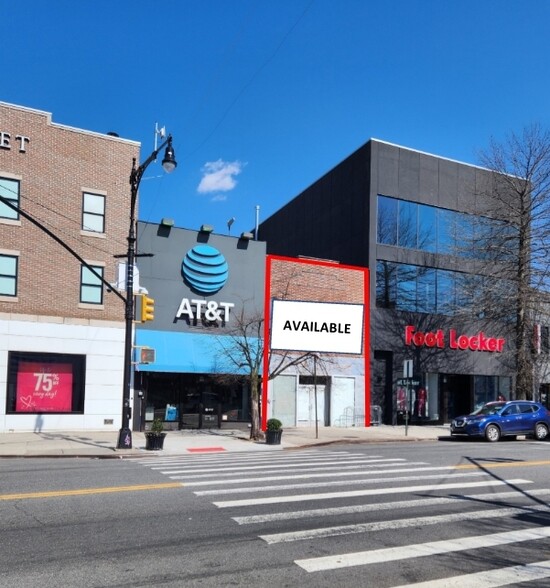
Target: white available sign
x,y
317,326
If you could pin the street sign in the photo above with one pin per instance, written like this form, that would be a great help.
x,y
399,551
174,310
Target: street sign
x,y
408,382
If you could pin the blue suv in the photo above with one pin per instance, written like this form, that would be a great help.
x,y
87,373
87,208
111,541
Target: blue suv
x,y
504,419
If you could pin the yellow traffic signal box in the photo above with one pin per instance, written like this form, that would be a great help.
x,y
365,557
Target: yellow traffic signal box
x,y
147,308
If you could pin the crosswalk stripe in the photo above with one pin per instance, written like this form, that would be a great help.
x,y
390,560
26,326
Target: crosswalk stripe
x,y
250,456
340,530
403,552
229,459
249,468
362,508
276,468
364,492
490,578
333,483
323,474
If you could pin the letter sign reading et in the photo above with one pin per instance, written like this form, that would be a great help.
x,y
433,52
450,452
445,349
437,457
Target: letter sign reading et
x,y
6,141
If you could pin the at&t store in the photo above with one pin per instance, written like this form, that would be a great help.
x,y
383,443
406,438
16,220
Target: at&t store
x,y
199,281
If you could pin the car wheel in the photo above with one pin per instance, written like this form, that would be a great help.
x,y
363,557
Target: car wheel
x,y
541,431
492,433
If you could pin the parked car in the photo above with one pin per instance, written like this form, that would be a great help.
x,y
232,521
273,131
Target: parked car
x,y
504,419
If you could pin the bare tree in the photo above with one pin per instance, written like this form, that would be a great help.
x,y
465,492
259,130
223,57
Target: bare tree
x,y
518,248
241,351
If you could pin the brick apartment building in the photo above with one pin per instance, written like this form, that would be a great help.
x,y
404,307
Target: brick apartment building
x,y
61,331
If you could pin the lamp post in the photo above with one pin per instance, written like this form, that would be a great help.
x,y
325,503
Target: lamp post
x,y
169,165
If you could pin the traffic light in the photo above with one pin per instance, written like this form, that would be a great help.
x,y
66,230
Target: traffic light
x,y
147,308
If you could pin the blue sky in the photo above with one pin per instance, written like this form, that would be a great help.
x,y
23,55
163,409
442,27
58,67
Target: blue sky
x,y
264,97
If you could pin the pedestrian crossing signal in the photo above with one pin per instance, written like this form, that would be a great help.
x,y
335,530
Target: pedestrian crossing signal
x,y
146,355
147,308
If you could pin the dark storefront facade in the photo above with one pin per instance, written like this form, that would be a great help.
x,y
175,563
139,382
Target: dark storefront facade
x,y
410,217
199,281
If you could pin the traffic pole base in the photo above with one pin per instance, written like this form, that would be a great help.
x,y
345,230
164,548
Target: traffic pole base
x,y
124,439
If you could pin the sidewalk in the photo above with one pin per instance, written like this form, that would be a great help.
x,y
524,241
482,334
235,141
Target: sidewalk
x,y
100,444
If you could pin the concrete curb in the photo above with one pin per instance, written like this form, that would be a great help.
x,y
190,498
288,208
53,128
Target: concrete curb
x,y
102,445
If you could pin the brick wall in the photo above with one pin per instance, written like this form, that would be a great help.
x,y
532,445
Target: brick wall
x,y
313,282
310,281
58,164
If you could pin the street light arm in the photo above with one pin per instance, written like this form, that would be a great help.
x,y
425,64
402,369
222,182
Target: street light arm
x,y
137,172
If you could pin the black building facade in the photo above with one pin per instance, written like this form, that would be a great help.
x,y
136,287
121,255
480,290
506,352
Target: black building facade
x,y
412,219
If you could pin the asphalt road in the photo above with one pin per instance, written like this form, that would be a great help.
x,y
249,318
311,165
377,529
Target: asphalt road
x,y
378,515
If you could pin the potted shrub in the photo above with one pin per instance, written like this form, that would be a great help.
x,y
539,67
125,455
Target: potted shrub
x,y
274,432
154,439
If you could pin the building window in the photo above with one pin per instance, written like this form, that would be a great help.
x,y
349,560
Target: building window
x,y
45,383
9,189
387,220
437,230
8,275
386,284
93,212
436,291
91,287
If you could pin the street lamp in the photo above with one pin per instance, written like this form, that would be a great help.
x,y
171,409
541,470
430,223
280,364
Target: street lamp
x,y
169,165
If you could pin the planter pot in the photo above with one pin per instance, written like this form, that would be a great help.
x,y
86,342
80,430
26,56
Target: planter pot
x,y
154,441
273,437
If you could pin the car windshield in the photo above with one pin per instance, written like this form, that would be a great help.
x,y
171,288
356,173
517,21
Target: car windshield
x,y
491,408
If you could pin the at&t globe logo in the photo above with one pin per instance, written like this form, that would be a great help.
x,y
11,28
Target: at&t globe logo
x,y
205,269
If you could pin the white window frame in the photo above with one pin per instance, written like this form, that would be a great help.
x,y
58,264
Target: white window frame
x,y
15,277
93,213
92,283
7,214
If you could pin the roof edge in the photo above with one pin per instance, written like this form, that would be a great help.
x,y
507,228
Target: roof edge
x,y
48,116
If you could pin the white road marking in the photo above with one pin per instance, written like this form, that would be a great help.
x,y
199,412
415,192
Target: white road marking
x,y
490,578
337,474
222,491
399,524
241,456
364,492
342,510
226,459
362,558
267,466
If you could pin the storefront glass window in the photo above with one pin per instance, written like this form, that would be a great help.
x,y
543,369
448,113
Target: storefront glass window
x,y
432,387
491,388
504,386
45,383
